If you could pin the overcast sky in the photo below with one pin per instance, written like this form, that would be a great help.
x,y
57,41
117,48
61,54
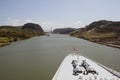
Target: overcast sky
x,y
58,13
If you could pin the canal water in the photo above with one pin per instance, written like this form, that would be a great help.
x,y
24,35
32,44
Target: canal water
x,y
38,58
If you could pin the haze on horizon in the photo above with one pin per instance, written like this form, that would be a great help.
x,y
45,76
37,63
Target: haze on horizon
x,y
58,13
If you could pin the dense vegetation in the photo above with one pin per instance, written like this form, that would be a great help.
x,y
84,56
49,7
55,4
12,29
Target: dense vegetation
x,y
9,34
104,32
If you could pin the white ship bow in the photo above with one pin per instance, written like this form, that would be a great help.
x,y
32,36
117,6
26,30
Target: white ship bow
x,y
84,69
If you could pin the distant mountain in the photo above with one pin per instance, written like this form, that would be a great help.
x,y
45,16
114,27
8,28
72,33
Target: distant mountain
x,y
10,34
103,31
33,26
64,30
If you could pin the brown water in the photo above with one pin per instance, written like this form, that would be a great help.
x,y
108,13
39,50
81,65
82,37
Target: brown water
x,y
38,58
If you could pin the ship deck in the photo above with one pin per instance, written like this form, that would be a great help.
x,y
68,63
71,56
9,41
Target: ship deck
x,y
90,70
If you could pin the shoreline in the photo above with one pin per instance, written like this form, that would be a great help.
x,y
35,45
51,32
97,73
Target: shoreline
x,y
4,44
105,43
110,45
98,41
8,42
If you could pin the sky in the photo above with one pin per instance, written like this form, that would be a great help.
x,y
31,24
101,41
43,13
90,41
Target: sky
x,y
58,13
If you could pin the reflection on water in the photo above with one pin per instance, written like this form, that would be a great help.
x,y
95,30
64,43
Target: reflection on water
x,y
38,58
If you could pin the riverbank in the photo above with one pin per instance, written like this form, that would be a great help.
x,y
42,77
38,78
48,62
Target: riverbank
x,y
8,40
9,34
4,44
102,32
111,43
4,41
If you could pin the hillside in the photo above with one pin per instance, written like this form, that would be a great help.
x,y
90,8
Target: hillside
x,y
10,34
32,26
103,32
63,30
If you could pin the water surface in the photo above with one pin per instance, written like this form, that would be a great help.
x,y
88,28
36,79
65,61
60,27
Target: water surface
x,y
38,58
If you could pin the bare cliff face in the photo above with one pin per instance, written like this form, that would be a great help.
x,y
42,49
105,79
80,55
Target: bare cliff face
x,y
103,31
